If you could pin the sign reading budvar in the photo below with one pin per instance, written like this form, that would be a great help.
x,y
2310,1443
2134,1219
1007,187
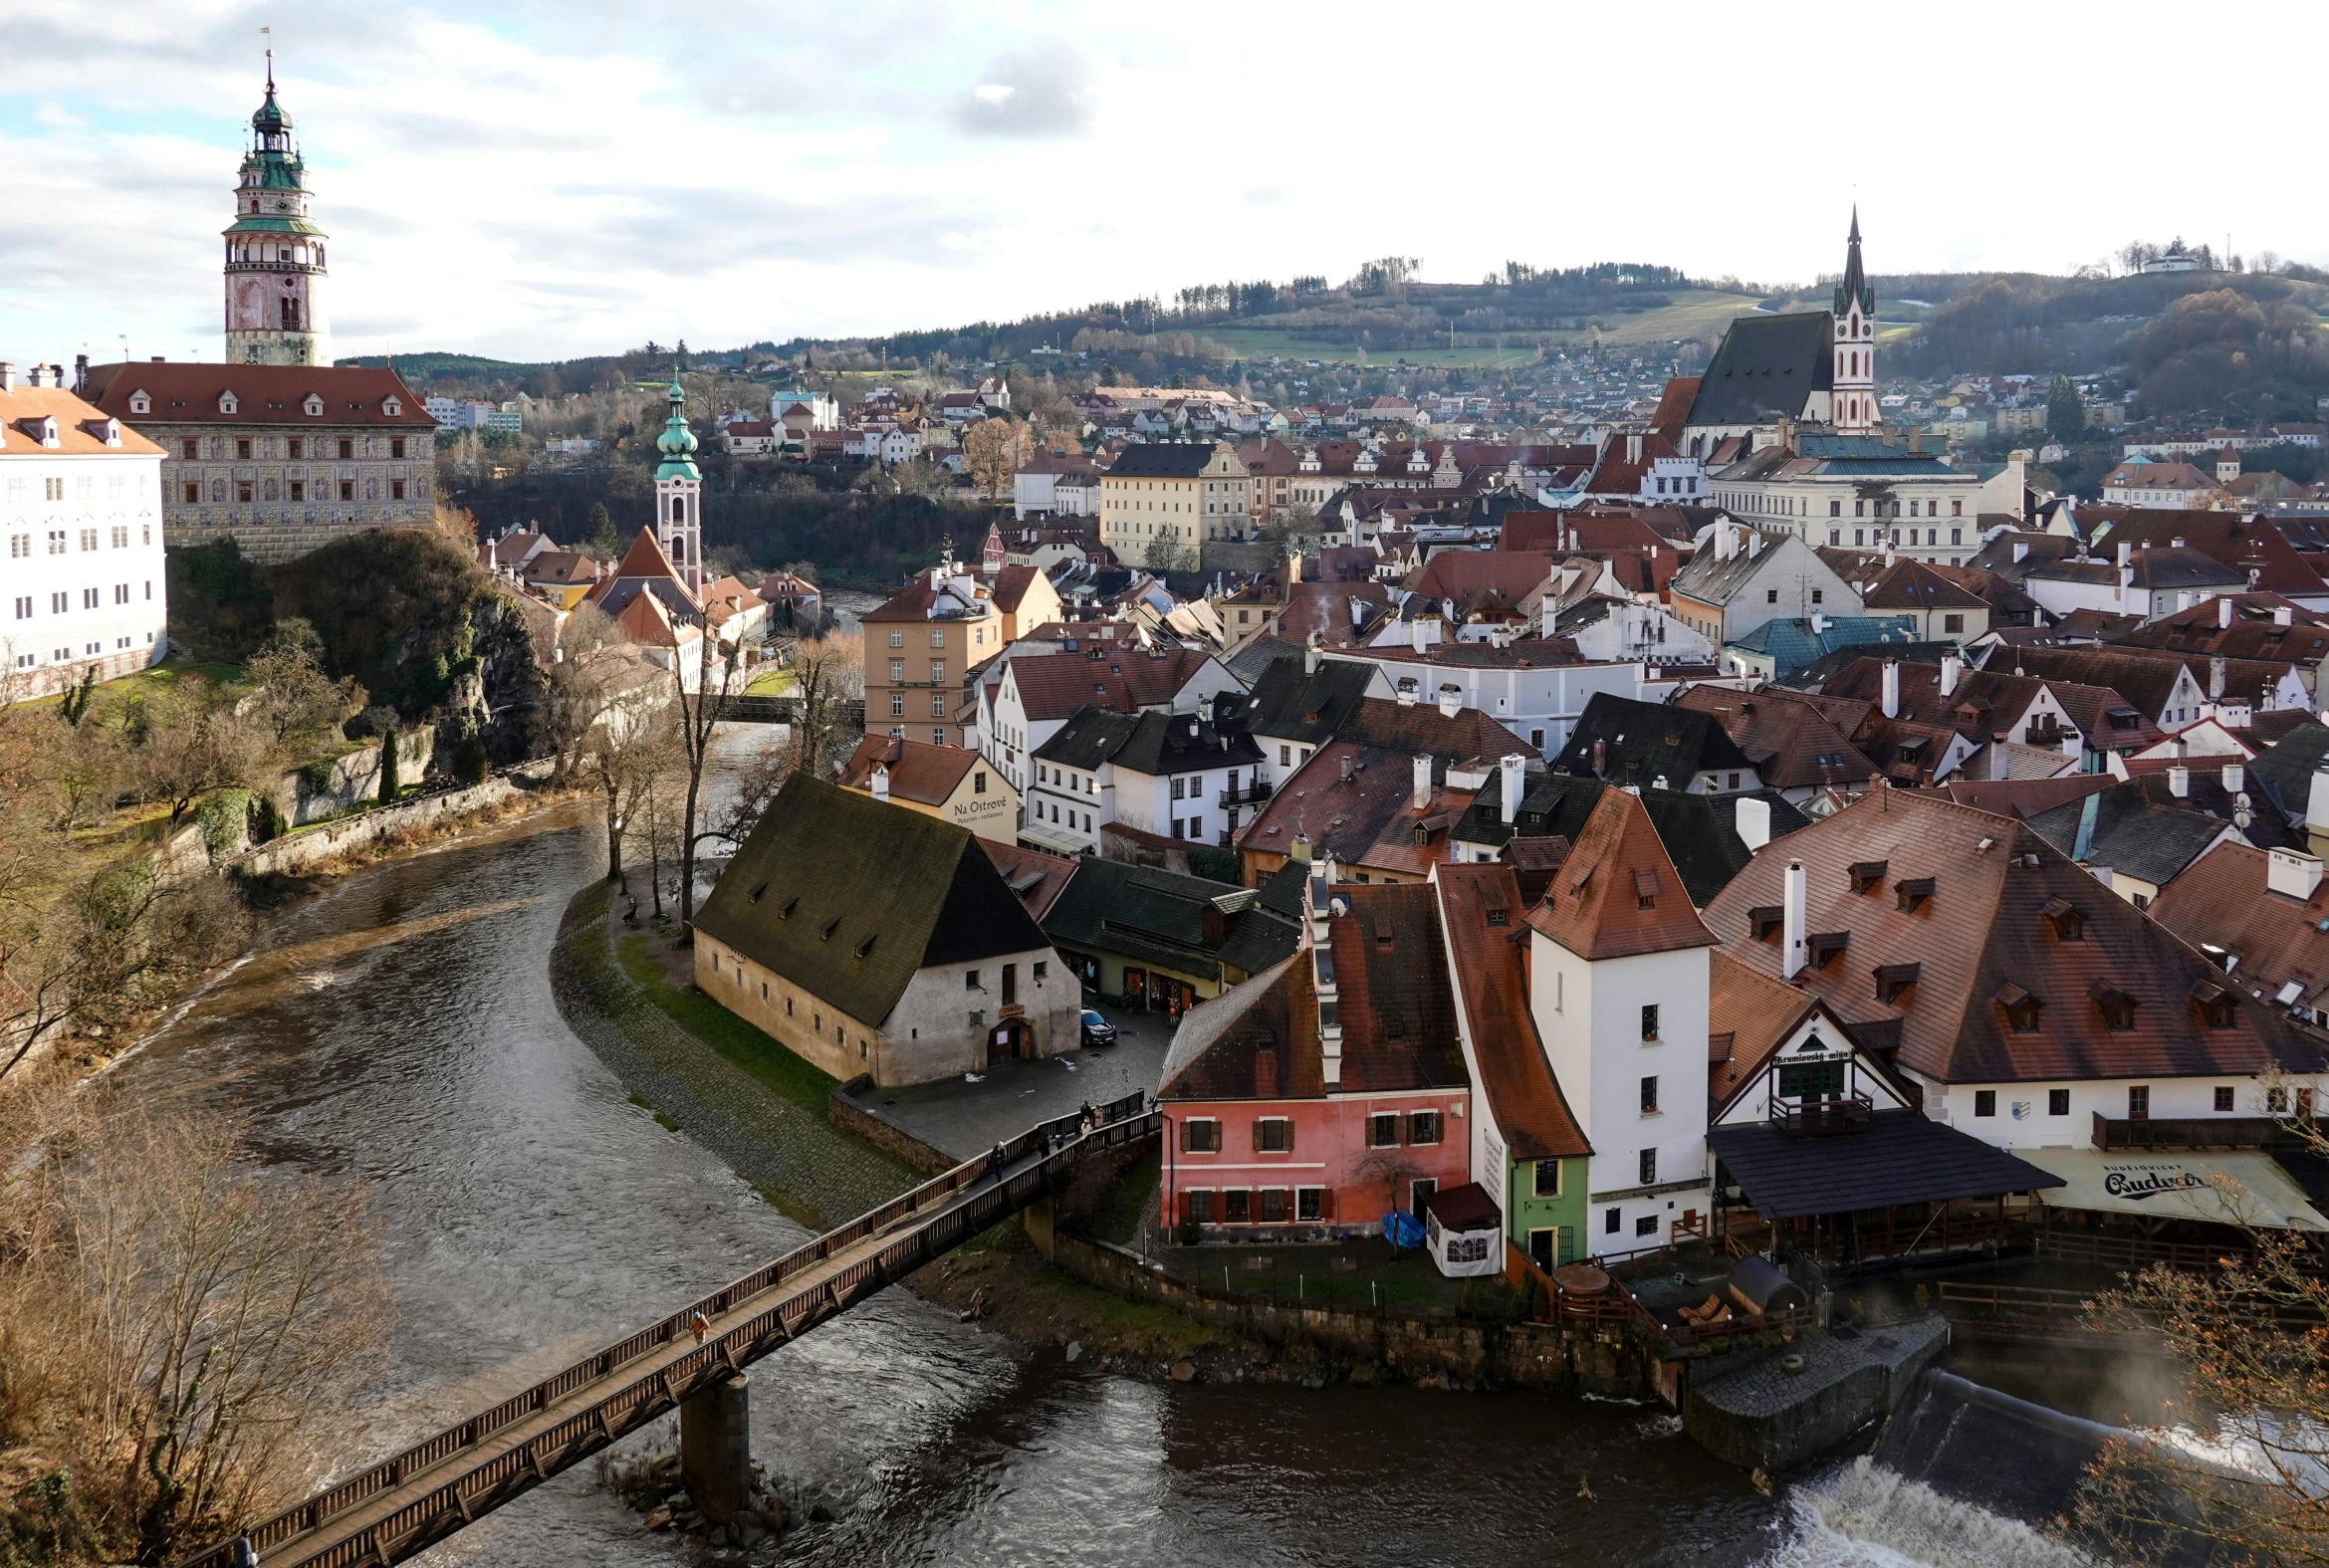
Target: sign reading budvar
x,y
2149,1182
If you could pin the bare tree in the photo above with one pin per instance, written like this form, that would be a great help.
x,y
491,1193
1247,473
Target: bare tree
x,y
195,1317
719,680
2251,1340
629,749
189,743
297,704
596,664
995,450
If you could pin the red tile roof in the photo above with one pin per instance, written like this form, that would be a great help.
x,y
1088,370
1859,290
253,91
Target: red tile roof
x,y
1617,894
917,772
185,392
1980,929
1482,913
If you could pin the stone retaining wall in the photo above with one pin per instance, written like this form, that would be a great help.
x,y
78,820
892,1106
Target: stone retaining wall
x,y
852,1116
1577,1357
309,847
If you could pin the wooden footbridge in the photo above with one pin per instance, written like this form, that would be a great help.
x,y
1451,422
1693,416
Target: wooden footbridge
x,y
410,1502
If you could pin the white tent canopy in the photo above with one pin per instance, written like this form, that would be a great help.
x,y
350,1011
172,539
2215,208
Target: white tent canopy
x,y
2224,1187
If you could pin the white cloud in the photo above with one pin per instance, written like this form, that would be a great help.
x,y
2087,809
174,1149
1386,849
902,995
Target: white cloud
x,y
572,176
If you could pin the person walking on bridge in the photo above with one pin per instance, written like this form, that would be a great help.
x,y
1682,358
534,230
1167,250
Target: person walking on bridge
x,y
241,1553
700,1325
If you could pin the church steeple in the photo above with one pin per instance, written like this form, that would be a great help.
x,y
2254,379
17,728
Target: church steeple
x,y
274,254
1855,285
680,494
1852,398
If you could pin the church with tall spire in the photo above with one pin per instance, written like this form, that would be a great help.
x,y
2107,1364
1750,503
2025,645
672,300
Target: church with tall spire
x,y
274,251
679,495
1853,398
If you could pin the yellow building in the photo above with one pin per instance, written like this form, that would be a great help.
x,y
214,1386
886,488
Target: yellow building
x,y
945,782
1173,496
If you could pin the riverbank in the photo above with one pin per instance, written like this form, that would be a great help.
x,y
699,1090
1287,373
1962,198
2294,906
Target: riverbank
x,y
684,1057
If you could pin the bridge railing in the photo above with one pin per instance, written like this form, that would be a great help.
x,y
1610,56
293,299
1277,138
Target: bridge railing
x,y
1118,1121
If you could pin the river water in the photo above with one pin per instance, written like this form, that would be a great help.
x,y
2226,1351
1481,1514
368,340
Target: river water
x,y
398,1031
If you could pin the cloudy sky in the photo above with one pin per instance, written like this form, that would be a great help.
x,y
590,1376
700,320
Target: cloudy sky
x,y
542,179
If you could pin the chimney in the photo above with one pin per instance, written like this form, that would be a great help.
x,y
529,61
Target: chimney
x,y
2281,615
1997,756
2223,612
2126,555
1451,700
1294,569
1266,1073
1754,823
79,374
881,782
2291,873
2236,778
1346,762
2215,676
1515,776
1310,654
1417,636
1951,667
1406,691
1791,924
2180,781
33,376
1421,796
1891,704
1754,543
1600,757
2317,809
7,376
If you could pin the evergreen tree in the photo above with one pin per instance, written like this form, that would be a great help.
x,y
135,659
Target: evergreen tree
x,y
599,536
2065,415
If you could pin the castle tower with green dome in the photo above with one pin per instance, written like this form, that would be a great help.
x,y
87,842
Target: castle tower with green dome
x,y
274,254
680,496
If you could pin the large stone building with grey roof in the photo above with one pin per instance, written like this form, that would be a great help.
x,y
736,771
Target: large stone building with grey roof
x,y
865,938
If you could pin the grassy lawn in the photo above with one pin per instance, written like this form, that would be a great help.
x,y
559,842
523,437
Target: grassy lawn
x,y
159,678
746,1046
770,682
1409,1283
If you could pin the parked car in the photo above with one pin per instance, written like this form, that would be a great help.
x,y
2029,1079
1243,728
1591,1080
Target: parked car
x,y
1096,1029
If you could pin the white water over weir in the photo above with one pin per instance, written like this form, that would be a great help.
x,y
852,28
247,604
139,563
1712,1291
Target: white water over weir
x,y
1865,1513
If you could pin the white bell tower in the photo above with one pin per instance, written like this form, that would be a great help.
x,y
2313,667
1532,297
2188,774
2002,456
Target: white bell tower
x,y
1853,402
680,496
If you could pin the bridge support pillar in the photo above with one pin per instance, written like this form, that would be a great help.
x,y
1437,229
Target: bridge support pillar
x,y
715,1449
1036,1219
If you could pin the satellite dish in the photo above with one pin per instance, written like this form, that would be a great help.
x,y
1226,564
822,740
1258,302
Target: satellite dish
x,y
2243,815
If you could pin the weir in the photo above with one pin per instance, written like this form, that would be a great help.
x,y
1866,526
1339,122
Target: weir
x,y
446,1482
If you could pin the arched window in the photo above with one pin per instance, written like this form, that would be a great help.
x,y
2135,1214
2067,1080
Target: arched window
x,y
678,508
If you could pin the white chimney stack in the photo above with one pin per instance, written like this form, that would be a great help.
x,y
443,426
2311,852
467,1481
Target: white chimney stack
x,y
2126,555
1952,666
2223,612
1451,700
2180,781
881,782
1514,773
1416,634
1891,701
2236,778
1422,796
2292,873
7,376
1791,953
1753,821
2281,615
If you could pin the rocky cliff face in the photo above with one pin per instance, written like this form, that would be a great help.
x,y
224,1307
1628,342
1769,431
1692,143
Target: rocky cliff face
x,y
502,699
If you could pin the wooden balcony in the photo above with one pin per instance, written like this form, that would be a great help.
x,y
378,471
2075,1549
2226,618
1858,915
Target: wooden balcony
x,y
2192,1132
1822,1118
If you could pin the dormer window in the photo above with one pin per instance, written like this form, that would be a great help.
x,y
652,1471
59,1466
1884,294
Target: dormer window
x,y
2069,920
2215,1005
2022,1009
1893,978
2118,1007
1645,889
1911,892
1865,874
44,431
140,403
313,407
1825,945
391,407
1765,920
227,403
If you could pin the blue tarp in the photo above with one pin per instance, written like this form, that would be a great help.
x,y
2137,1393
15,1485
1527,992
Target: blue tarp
x,y
1402,1230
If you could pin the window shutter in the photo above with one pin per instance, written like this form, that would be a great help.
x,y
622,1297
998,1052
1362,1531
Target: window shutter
x,y
1290,1135
1256,1134
1325,1202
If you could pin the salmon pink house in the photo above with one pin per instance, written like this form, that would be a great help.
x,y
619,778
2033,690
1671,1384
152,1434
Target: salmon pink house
x,y
1325,1091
